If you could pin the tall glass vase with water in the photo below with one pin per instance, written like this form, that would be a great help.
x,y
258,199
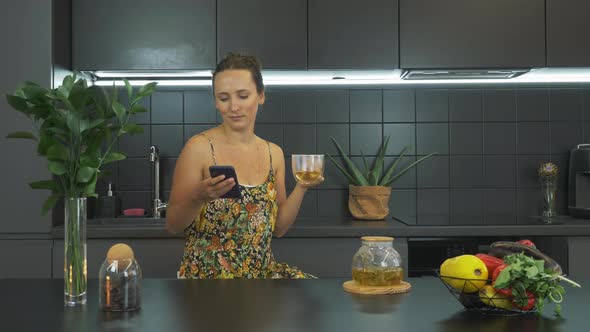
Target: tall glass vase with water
x,y
75,264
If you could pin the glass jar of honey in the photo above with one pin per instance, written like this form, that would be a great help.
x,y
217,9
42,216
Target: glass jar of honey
x,y
376,263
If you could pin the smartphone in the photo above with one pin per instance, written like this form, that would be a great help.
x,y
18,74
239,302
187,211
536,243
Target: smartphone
x,y
229,172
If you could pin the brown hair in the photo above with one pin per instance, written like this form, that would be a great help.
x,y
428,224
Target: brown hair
x,y
239,61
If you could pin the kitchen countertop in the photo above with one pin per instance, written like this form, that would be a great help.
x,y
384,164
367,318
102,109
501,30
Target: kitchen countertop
x,y
340,227
270,305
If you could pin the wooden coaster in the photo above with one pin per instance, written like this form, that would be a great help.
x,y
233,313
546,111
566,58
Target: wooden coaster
x,y
352,286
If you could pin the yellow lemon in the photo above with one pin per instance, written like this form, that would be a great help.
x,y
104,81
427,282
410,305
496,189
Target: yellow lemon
x,y
466,273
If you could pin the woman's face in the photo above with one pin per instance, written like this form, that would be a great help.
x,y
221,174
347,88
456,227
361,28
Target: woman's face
x,y
236,98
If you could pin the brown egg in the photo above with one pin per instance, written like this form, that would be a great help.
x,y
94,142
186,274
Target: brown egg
x,y
120,252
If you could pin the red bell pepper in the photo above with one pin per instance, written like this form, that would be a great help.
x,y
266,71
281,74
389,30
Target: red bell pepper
x,y
491,262
530,302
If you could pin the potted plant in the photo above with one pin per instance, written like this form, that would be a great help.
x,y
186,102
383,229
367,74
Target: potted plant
x,y
369,190
77,126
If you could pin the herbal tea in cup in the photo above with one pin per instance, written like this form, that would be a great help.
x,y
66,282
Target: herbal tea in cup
x,y
308,169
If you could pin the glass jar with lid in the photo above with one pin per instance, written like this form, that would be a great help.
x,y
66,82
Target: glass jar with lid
x,y
119,285
377,263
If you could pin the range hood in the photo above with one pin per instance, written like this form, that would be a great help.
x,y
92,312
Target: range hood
x,y
458,74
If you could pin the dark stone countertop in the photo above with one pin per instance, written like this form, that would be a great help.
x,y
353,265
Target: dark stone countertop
x,y
271,305
339,227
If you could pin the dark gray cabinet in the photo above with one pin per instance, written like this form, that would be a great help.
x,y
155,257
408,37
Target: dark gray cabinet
x,y
273,30
352,34
150,34
158,258
26,258
578,249
472,34
568,31
326,257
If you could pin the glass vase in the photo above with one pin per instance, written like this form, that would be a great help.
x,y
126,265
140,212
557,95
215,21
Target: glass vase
x,y
75,276
549,193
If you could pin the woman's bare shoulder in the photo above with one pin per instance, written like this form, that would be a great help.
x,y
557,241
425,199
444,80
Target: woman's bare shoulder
x,y
197,144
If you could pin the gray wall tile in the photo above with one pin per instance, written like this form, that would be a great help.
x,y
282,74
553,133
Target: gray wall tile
x,y
136,200
432,105
134,174
166,107
365,137
299,107
332,106
499,138
333,203
500,171
465,105
528,203
333,177
271,132
166,173
299,139
192,130
532,105
466,207
137,145
168,139
402,205
586,103
199,107
271,111
401,135
399,106
466,138
432,137
562,163
499,105
433,207
532,138
466,171
340,132
566,105
366,106
433,172
500,206
309,204
565,136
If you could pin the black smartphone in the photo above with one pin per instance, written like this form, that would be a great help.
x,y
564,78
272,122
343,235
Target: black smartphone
x,y
229,172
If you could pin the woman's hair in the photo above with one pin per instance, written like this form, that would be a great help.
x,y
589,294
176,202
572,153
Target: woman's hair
x,y
239,61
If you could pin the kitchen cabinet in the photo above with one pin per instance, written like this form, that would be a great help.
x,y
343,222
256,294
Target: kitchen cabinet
x,y
273,30
472,34
26,258
578,249
568,29
326,257
158,258
151,34
352,34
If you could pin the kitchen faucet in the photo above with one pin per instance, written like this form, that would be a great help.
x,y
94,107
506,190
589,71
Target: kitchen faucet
x,y
158,205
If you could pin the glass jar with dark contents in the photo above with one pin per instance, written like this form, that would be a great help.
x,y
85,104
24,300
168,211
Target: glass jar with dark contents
x,y
119,285
376,263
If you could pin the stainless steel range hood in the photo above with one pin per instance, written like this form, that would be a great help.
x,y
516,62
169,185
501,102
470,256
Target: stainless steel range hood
x,y
452,74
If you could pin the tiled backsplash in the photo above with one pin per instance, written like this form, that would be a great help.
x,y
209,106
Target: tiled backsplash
x,y
490,142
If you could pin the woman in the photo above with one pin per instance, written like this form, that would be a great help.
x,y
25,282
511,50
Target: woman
x,y
230,238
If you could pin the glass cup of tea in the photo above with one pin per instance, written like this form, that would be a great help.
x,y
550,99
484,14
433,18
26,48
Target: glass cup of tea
x,y
308,169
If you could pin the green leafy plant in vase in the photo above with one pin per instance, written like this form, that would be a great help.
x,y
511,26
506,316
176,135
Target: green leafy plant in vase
x,y
370,189
77,126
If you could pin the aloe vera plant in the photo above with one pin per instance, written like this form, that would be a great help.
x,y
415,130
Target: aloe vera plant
x,y
377,174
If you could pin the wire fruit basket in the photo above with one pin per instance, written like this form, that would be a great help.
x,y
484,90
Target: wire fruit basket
x,y
492,302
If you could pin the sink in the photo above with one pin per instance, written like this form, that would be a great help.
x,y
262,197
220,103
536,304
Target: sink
x,y
127,221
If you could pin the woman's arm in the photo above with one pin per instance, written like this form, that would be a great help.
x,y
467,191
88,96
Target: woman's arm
x,y
288,206
190,189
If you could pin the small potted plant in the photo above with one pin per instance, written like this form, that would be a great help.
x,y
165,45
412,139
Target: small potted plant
x,y
77,126
369,190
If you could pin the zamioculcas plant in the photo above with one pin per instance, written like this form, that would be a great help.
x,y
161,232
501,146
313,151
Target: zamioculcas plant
x,y
377,174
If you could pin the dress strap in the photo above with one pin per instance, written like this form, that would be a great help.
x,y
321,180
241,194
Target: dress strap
x,y
270,154
212,149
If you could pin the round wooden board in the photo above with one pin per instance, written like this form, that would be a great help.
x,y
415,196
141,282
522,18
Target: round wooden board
x,y
352,286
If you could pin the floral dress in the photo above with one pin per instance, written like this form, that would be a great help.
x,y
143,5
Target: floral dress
x,y
231,237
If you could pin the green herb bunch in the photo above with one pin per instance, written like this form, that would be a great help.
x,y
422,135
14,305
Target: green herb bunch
x,y
377,174
525,273
77,126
